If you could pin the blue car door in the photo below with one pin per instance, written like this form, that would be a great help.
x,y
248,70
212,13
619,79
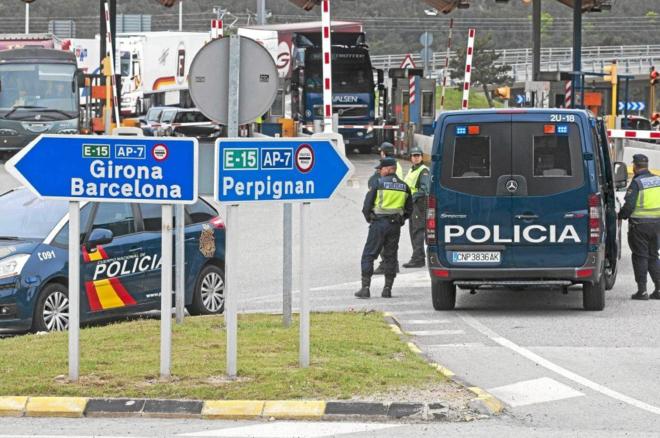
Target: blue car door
x,y
111,272
473,206
551,205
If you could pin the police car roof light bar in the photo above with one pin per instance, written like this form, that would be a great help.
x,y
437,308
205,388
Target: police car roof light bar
x,y
474,129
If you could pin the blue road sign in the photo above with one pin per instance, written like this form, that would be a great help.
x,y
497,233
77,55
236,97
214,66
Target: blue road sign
x,y
279,169
520,99
109,168
632,106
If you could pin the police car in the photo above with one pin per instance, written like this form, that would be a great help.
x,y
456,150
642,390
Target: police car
x,y
120,260
522,198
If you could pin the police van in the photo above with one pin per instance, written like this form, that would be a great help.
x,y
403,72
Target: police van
x,y
522,198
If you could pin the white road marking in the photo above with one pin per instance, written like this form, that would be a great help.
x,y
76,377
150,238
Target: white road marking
x,y
435,332
530,392
424,321
459,345
299,429
70,436
472,322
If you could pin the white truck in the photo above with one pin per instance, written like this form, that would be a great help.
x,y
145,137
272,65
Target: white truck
x,y
155,66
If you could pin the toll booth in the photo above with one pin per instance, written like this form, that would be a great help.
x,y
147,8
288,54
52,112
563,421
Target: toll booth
x,y
398,109
422,108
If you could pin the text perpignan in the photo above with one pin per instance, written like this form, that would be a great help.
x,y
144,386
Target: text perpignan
x,y
255,190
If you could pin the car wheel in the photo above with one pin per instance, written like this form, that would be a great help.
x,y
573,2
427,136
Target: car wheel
x,y
443,294
209,294
52,312
593,295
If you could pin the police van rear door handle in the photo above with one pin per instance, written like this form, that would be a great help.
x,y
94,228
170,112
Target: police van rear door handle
x,y
135,249
526,217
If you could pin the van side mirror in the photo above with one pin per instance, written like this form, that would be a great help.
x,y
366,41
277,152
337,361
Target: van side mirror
x,y
620,175
99,236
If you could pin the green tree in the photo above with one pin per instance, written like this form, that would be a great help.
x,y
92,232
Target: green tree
x,y
484,70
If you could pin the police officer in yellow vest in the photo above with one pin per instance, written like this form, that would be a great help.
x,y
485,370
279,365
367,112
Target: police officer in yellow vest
x,y
386,207
642,209
418,181
386,149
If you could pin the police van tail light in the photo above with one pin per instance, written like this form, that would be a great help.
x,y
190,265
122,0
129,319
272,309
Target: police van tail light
x,y
431,238
217,223
595,215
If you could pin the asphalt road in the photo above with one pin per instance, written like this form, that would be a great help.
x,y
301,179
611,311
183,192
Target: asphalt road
x,y
561,370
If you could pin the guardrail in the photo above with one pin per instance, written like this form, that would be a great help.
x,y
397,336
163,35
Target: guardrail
x,y
632,59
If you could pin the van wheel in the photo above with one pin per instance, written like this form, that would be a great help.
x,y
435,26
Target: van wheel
x,y
209,294
593,295
610,275
443,294
52,310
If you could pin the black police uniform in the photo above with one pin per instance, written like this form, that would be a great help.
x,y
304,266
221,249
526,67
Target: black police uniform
x,y
643,235
384,233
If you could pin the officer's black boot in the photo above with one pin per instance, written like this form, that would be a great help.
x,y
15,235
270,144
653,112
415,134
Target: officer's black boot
x,y
656,293
387,289
364,291
641,293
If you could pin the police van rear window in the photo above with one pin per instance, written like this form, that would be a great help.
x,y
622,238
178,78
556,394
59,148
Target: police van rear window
x,y
476,158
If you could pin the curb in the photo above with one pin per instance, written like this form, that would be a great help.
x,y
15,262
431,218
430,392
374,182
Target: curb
x,y
484,402
78,407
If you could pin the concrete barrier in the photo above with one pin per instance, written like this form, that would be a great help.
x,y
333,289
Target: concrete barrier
x,y
651,150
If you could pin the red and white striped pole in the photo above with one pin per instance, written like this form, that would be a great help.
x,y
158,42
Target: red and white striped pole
x,y
109,53
444,72
412,92
217,30
327,66
468,68
568,93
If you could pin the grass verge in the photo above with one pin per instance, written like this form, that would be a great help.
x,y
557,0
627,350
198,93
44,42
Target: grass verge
x,y
454,99
352,354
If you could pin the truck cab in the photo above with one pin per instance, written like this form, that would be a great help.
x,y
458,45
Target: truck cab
x,y
353,87
522,198
39,94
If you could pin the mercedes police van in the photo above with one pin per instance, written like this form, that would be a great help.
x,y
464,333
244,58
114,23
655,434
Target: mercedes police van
x,y
522,198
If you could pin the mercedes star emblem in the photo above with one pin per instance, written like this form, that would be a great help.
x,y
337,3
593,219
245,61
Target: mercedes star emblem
x,y
512,185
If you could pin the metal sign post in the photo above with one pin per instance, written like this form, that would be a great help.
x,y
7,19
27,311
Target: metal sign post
x,y
287,264
180,265
74,290
231,317
303,264
85,172
166,292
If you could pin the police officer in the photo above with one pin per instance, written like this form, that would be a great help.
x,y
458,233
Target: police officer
x,y
386,150
642,208
386,207
418,181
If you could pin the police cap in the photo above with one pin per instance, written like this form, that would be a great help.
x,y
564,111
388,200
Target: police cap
x,y
640,159
416,151
386,162
387,148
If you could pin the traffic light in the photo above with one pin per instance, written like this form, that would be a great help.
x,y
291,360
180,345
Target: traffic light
x,y
502,92
653,76
611,71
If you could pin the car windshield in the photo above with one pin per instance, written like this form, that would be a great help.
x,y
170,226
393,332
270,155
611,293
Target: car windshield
x,y
28,217
47,89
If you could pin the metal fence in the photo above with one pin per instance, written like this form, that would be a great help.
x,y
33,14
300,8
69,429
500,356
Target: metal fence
x,y
634,60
